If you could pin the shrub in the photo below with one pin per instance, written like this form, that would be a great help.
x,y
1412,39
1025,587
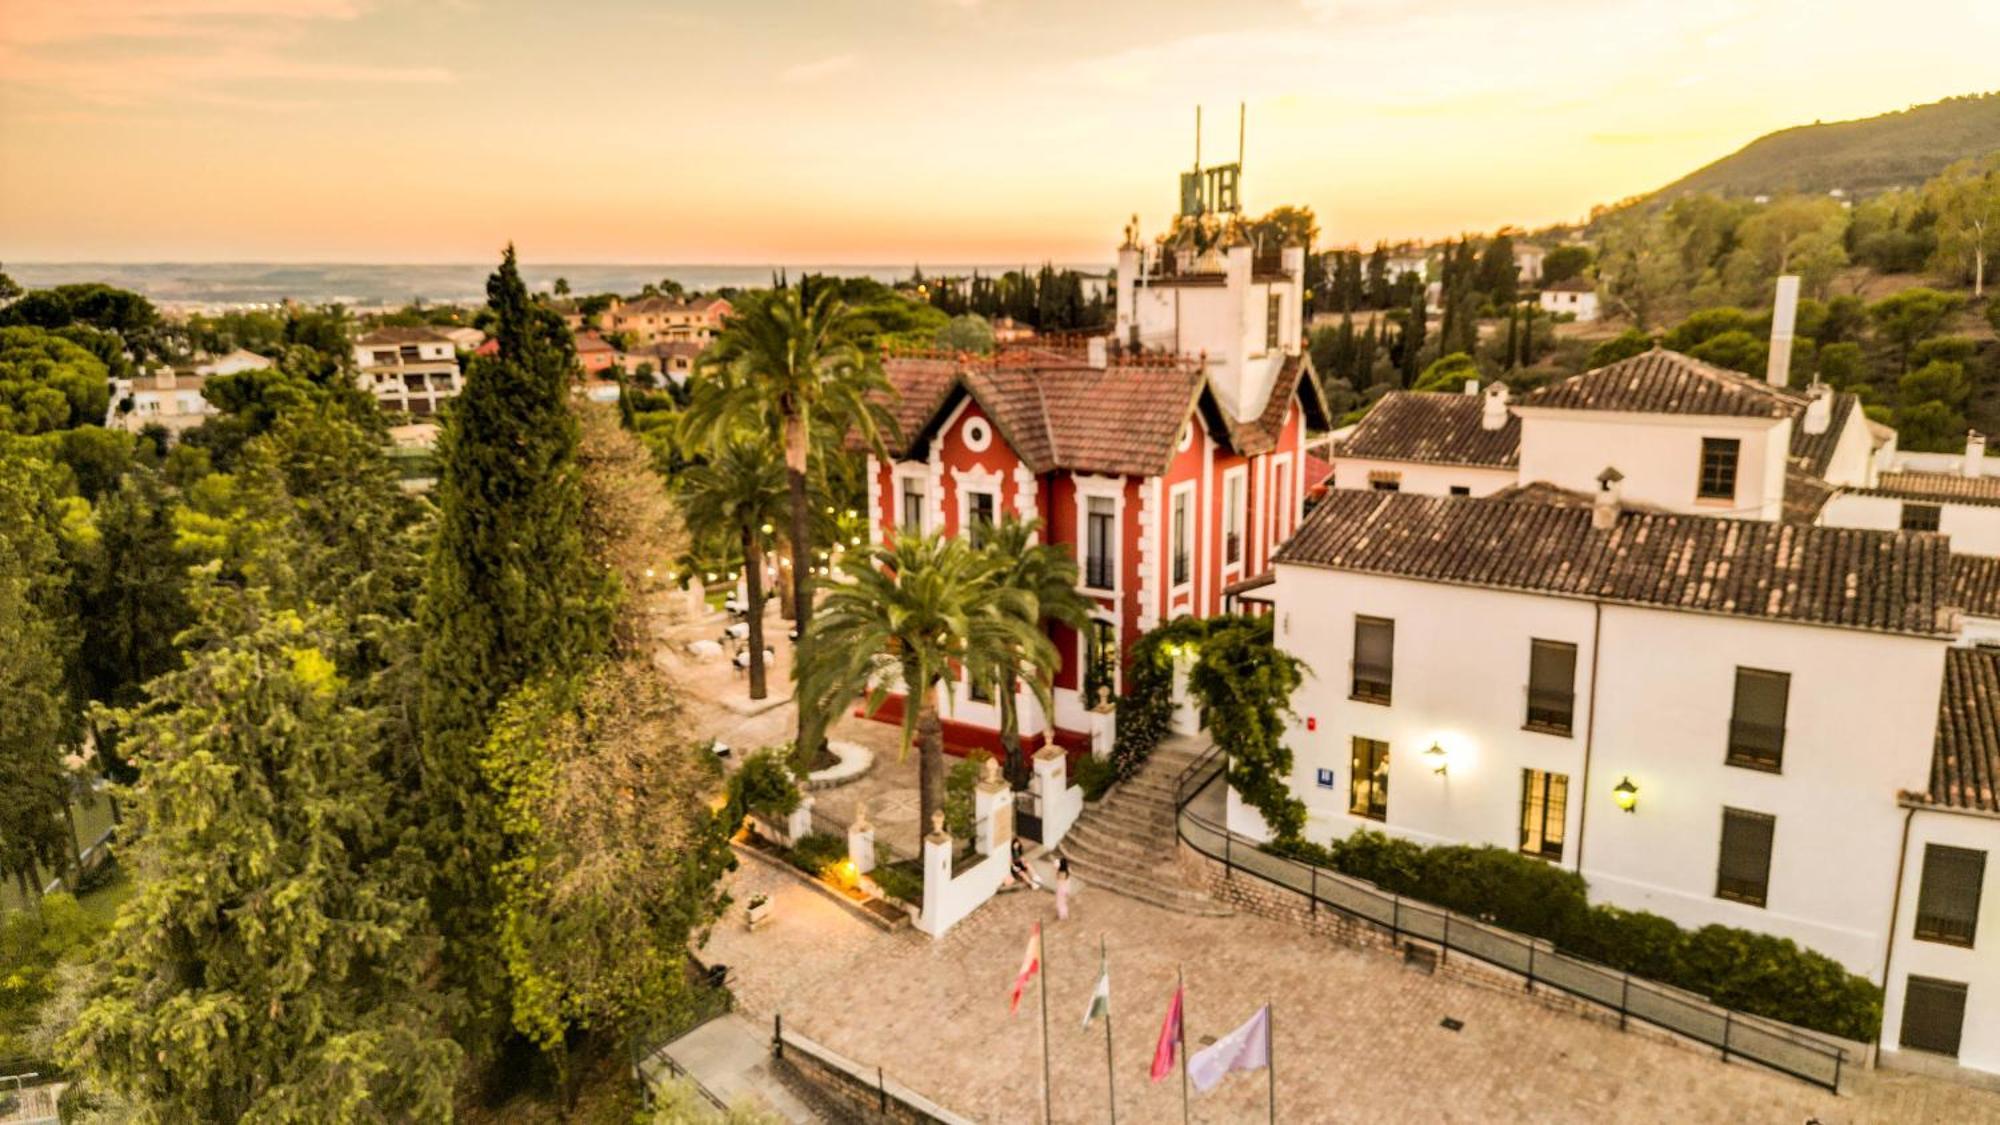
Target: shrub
x,y
1841,365
1625,345
1741,969
32,945
958,784
1094,776
815,852
903,880
764,785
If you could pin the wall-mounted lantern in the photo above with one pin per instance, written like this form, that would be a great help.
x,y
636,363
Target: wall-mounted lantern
x,y
1626,794
1438,758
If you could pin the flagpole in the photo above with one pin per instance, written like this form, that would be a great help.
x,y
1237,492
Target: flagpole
x,y
1048,1098
1271,1055
1180,1033
1110,1071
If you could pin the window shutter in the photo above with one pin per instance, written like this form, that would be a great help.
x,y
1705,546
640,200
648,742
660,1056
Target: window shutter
x,y
1933,1015
1761,697
1948,900
1374,641
1745,868
1552,666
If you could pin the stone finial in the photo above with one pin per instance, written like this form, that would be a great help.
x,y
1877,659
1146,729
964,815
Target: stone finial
x,y
1104,695
989,772
860,816
937,823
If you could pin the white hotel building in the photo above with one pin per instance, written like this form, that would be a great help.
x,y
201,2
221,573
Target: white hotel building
x,y
1521,618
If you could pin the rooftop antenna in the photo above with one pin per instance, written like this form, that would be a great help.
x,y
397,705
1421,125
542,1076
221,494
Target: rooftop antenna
x,y
1242,114
1197,138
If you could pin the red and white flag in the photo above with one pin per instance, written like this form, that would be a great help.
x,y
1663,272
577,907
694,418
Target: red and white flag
x,y
1031,963
1170,1039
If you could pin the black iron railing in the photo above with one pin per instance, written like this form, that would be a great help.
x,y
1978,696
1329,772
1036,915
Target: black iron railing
x,y
1737,1035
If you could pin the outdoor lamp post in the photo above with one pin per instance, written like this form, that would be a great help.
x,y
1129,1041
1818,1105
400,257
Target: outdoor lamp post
x,y
1626,794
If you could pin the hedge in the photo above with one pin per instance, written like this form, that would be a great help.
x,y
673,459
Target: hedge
x,y
1741,969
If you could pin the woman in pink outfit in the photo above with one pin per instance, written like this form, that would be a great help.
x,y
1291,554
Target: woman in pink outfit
x,y
1062,889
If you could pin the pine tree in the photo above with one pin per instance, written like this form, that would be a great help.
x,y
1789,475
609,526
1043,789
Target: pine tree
x,y
35,835
269,966
510,595
1413,340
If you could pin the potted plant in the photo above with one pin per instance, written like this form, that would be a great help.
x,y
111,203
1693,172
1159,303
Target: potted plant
x,y
759,911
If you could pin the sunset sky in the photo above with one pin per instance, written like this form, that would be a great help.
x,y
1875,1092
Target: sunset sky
x,y
865,131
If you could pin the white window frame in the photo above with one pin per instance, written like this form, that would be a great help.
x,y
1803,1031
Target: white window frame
x,y
1283,503
966,482
1235,486
1112,489
905,473
1187,489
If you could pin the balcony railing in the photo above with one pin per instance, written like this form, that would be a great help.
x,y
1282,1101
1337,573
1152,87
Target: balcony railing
x,y
1097,573
1754,745
1372,682
1551,709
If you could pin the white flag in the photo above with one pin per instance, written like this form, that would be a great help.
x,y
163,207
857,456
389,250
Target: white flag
x,y
1246,1048
1100,997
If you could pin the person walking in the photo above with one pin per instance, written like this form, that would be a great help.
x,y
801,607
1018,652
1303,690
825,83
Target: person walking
x,y
1062,889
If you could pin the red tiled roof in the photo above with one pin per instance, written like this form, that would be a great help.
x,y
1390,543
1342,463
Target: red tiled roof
x,y
1975,584
1664,382
1435,428
592,342
403,335
1965,757
1942,488
1885,581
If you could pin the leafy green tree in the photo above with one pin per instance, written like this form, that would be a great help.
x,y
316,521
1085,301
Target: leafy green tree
x,y
1940,380
1043,579
270,966
1841,365
789,368
1906,318
910,617
1625,345
49,383
132,597
37,723
510,595
1564,262
967,332
1638,269
9,288
1966,200
1736,350
1706,324
1795,234
1449,373
740,491
1498,273
1411,343
1929,426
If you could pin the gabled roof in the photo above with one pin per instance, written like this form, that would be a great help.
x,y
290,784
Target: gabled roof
x,y
395,335
1965,757
1892,582
1435,428
1938,488
592,342
1814,452
1664,382
1056,412
1975,584
653,306
1570,285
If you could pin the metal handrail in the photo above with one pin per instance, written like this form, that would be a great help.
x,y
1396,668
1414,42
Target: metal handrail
x,y
1660,1003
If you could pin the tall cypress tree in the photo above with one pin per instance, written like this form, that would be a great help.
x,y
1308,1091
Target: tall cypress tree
x,y
510,594
1413,339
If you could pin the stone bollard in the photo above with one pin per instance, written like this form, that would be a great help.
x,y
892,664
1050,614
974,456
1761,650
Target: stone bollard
x,y
992,811
861,840
937,876
697,597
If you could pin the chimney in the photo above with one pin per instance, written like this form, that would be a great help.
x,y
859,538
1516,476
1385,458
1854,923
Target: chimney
x,y
1096,352
1975,453
1784,316
1605,506
1819,411
1471,387
1493,412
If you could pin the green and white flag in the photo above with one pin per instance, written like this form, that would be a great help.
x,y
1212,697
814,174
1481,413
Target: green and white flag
x,y
1100,997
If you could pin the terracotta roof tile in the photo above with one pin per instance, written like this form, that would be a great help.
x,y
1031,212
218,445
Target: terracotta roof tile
x,y
1965,758
1936,487
1877,580
1814,452
403,335
1975,584
1435,428
1664,382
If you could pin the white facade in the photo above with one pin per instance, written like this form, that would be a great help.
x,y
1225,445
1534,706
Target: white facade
x,y
1976,966
1581,303
1660,456
412,371
1974,528
1421,477
171,401
1245,323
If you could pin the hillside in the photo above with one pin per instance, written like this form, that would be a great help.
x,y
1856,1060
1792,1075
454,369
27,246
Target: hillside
x,y
1891,150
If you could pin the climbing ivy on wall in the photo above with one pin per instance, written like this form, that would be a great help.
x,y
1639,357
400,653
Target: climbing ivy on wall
x,y
1242,685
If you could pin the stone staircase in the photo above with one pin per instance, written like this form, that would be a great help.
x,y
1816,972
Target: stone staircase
x,y
1126,842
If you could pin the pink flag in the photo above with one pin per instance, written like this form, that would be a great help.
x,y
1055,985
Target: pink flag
x,y
1170,1038
1030,962
1246,1048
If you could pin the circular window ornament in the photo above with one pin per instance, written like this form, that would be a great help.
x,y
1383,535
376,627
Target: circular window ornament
x,y
1187,436
978,435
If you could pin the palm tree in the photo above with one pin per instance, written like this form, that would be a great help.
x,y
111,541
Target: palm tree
x,y
740,491
911,615
788,367
1044,577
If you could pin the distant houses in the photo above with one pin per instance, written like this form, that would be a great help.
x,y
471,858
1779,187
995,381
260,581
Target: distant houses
x,y
412,370
1575,295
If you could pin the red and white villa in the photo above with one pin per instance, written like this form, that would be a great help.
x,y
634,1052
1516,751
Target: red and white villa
x,y
1168,457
